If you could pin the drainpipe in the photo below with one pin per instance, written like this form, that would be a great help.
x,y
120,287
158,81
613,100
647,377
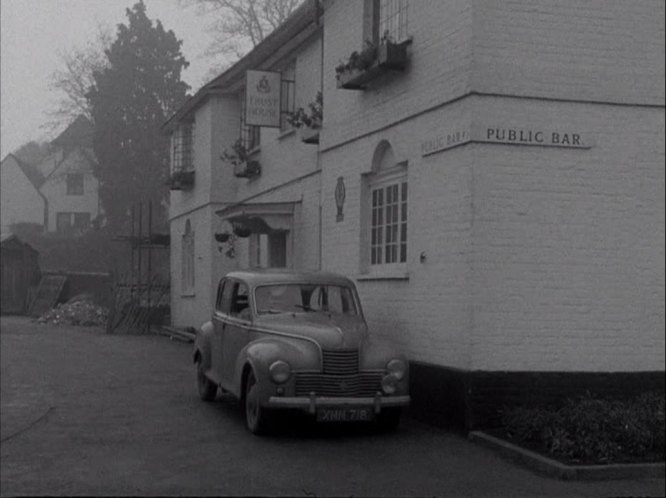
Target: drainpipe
x,y
321,89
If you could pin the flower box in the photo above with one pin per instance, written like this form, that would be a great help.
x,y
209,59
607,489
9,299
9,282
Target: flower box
x,y
181,180
392,56
389,57
247,169
310,135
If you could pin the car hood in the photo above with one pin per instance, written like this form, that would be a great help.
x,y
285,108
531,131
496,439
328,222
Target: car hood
x,y
330,331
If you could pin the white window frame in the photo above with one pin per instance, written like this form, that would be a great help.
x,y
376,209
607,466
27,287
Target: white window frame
x,y
373,261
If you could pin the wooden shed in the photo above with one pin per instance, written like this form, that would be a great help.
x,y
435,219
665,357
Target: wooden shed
x,y
19,272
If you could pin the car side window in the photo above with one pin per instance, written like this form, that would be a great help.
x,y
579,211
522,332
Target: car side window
x,y
218,299
225,302
240,301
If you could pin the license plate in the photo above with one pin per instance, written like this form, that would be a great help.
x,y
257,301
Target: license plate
x,y
344,414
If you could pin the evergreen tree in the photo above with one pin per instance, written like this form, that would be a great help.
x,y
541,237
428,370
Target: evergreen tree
x,y
130,99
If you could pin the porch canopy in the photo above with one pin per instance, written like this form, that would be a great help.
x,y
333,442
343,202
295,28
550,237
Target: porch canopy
x,y
260,217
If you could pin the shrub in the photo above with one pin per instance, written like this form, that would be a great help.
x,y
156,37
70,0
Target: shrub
x,y
589,429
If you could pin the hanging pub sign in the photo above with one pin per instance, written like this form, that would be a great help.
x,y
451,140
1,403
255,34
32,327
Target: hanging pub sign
x,y
262,98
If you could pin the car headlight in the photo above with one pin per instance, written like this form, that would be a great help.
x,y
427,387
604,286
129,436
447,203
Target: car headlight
x,y
280,371
397,368
389,384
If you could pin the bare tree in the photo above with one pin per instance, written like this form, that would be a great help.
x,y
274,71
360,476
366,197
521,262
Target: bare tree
x,y
75,78
240,25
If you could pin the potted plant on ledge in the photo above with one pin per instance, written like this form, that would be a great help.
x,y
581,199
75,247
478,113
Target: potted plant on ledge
x,y
374,60
309,122
238,158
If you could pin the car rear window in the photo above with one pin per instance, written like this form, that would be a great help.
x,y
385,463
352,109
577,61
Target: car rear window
x,y
293,298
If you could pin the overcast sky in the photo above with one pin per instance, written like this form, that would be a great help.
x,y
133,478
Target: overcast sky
x,y
33,31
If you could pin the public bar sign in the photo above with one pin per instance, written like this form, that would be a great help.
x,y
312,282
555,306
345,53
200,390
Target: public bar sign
x,y
525,135
262,98
506,135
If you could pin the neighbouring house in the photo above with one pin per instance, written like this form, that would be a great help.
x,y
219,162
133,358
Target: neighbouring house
x,y
20,198
19,273
70,186
491,174
61,192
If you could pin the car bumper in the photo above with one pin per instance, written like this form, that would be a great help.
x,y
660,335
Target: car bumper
x,y
311,403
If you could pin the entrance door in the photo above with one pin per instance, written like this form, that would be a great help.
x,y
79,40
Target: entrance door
x,y
269,250
277,247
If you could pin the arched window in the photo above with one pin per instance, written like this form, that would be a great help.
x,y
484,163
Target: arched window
x,y
187,260
386,211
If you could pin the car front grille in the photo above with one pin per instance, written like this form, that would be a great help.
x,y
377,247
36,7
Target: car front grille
x,y
361,384
343,362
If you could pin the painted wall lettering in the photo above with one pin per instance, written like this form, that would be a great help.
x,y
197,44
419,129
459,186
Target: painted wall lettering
x,y
511,135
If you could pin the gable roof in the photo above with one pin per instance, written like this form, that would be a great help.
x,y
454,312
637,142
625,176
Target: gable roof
x,y
307,15
66,154
32,174
78,133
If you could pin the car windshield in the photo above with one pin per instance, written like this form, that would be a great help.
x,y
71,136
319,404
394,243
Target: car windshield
x,y
289,298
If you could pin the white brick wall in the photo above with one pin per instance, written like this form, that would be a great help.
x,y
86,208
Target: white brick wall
x,y
429,315
601,50
536,258
569,244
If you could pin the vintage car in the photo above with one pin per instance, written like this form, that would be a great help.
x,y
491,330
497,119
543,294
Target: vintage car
x,y
292,340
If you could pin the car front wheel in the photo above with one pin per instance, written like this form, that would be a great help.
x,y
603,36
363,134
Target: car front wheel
x,y
207,389
256,417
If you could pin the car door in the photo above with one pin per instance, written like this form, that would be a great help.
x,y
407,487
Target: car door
x,y
237,331
220,317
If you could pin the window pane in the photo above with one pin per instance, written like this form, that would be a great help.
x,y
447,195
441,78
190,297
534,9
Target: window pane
x,y
392,20
81,220
63,223
75,184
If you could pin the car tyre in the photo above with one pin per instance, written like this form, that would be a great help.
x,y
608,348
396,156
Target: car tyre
x,y
388,419
206,387
256,417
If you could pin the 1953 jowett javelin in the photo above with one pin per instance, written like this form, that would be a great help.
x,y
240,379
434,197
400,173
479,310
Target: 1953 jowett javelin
x,y
294,340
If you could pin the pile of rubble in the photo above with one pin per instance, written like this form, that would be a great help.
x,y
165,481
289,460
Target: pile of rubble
x,y
77,311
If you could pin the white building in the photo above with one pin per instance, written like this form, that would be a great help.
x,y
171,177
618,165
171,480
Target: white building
x,y
497,193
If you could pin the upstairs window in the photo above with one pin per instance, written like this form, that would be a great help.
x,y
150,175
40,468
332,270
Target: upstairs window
x,y
182,153
75,184
390,20
250,135
288,94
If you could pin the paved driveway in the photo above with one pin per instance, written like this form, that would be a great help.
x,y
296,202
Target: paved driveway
x,y
84,413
